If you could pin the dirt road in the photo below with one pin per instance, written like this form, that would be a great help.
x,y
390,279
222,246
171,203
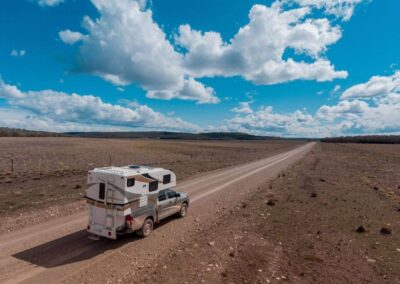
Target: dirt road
x,y
59,251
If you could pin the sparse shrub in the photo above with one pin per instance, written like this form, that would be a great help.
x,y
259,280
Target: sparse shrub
x,y
386,231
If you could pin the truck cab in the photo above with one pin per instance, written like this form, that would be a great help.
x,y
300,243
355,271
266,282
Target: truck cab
x,y
170,202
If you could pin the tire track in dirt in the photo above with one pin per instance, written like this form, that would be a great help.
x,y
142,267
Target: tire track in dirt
x,y
57,248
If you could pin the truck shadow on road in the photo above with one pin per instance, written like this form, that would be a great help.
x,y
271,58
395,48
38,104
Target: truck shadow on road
x,y
77,247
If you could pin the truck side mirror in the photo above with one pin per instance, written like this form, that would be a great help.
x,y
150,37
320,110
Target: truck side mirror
x,y
177,194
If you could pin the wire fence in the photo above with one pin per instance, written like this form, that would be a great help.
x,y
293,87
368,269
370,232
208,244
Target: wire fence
x,y
54,164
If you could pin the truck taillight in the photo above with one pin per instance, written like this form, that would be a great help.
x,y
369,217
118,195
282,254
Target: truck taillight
x,y
129,220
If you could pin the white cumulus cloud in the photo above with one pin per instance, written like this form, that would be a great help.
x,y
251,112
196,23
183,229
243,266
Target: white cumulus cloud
x,y
19,118
124,45
70,37
256,52
368,108
243,107
376,86
49,105
266,121
344,109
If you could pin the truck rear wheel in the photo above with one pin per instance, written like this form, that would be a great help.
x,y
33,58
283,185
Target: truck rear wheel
x,y
147,228
183,211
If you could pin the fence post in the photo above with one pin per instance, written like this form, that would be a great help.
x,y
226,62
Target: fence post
x,y
12,165
110,161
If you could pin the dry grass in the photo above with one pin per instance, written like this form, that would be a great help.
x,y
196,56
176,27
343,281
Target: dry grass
x,y
322,202
309,233
48,171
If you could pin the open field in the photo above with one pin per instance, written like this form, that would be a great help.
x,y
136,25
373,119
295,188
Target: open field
x,y
52,171
59,250
332,216
302,226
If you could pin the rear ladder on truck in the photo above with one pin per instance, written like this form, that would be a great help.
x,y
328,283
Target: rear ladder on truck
x,y
111,211
103,216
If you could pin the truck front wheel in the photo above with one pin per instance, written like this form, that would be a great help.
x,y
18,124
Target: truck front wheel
x,y
147,228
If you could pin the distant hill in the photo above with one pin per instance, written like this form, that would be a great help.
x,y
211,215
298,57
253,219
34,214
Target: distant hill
x,y
371,139
16,132
172,135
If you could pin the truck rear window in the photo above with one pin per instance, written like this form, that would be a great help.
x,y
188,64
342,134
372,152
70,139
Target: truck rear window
x,y
102,190
130,182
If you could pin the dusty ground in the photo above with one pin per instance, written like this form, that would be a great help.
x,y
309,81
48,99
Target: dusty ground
x,y
50,173
303,226
299,228
59,250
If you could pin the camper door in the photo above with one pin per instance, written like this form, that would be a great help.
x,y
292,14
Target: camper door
x,y
102,215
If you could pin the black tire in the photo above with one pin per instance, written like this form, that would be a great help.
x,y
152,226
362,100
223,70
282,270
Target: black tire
x,y
147,228
183,211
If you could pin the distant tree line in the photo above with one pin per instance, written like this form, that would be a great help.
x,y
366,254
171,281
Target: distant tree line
x,y
171,135
371,139
15,132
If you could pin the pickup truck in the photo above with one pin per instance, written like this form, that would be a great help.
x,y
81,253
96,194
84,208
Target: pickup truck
x,y
131,199
169,203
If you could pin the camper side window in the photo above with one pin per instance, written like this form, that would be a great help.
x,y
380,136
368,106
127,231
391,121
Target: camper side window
x,y
166,179
102,190
130,182
153,186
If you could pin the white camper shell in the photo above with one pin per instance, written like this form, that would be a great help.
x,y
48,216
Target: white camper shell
x,y
119,199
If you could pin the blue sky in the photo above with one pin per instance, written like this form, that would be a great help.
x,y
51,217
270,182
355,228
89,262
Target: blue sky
x,y
286,67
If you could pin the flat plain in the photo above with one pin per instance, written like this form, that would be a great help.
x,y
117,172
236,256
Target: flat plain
x,y
334,217
49,175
